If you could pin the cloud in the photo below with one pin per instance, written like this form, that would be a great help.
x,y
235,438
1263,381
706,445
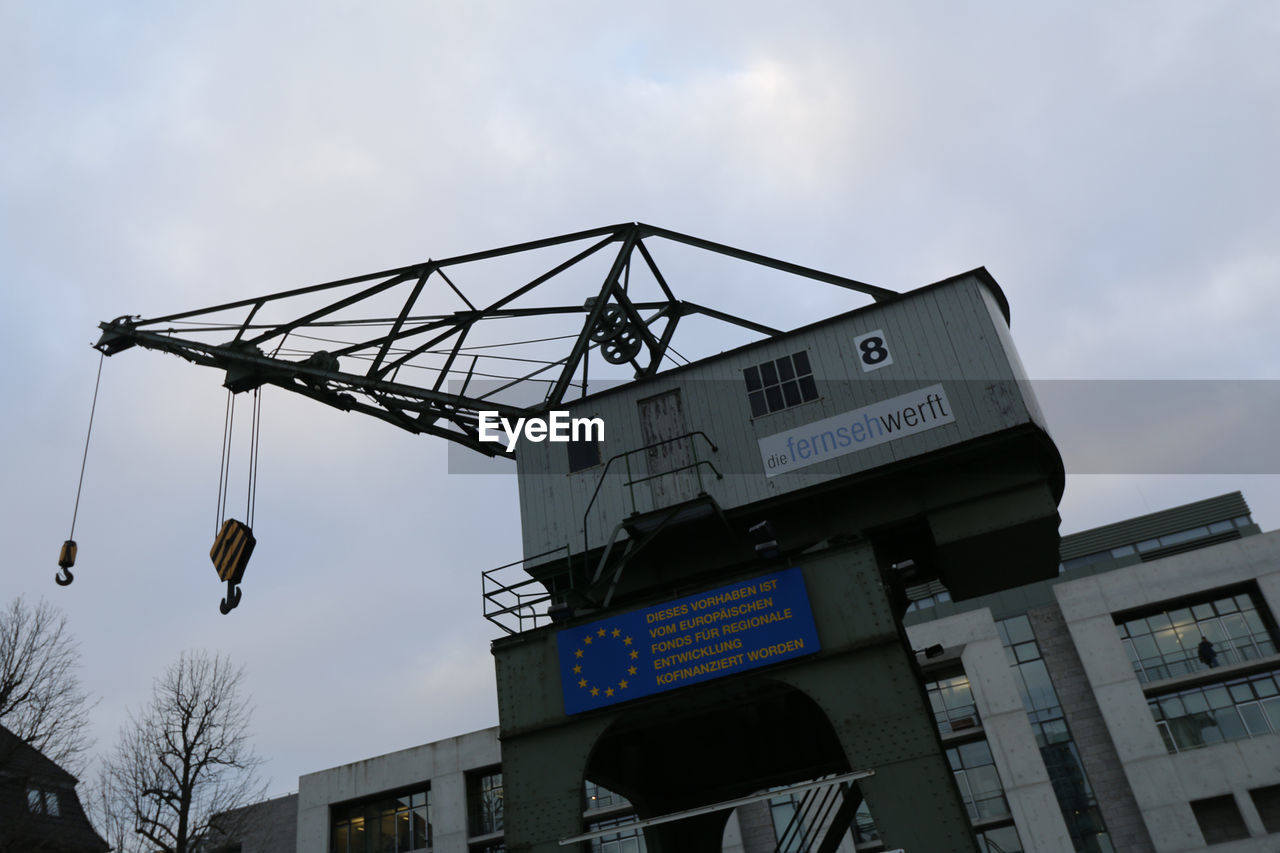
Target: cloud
x,y
1114,171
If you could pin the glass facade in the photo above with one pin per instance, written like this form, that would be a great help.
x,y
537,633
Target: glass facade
x,y
979,784
484,801
1166,644
1002,839
864,826
952,703
783,811
928,600
1057,748
599,797
1241,708
625,840
388,824
1151,548
971,762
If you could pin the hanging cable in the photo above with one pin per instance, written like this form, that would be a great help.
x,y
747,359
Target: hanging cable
x,y
233,543
224,465
251,501
67,557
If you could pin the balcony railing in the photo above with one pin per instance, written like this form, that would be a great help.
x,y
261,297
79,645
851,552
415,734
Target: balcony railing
x,y
513,600
632,480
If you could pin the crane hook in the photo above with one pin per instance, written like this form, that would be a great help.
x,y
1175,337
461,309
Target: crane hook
x,y
66,559
230,553
232,600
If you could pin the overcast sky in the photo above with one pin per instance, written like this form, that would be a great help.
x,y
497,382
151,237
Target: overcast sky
x,y
1113,165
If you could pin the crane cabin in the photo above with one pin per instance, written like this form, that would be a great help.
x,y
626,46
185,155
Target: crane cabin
x,y
909,423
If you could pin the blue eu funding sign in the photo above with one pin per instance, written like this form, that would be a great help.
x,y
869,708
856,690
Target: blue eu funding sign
x,y
734,628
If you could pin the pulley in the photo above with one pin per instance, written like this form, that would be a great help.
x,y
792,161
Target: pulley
x,y
617,336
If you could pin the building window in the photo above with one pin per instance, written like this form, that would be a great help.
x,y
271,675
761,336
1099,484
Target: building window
x,y
991,839
1163,546
1267,802
864,825
386,824
952,703
484,801
1057,748
604,809
1219,819
780,384
625,840
979,784
782,811
1001,839
43,801
1166,644
599,797
1214,713
927,595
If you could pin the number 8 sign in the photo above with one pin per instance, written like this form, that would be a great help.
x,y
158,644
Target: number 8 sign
x,y
873,352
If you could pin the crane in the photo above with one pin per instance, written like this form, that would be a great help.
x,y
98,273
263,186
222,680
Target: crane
x,y
365,343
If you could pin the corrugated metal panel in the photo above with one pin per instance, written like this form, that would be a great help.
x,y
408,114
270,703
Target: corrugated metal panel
x,y
1154,525
950,334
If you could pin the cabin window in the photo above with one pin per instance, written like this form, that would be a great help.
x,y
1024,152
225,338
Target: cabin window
x,y
780,384
582,454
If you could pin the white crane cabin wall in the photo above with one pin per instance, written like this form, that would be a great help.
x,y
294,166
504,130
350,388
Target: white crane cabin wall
x,y
944,353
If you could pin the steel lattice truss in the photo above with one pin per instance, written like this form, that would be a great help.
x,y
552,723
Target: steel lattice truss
x,y
360,344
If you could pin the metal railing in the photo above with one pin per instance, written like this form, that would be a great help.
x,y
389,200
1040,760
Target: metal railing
x,y
508,604
811,819
518,605
632,481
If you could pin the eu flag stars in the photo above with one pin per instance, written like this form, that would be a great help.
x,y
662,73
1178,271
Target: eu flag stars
x,y
604,660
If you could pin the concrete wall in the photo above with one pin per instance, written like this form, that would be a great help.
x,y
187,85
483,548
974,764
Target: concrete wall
x,y
1097,753
1163,784
266,827
442,764
1032,803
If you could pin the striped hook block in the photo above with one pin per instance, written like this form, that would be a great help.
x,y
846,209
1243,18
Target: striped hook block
x,y
231,550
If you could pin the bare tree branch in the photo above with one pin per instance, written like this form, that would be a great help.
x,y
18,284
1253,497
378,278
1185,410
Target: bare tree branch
x,y
184,758
41,700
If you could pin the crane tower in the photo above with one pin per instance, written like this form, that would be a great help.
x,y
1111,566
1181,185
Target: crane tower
x,y
716,549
